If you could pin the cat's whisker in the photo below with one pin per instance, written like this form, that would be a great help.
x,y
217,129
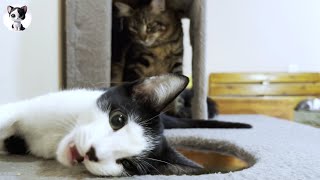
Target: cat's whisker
x,y
125,173
148,164
141,168
167,163
148,120
64,125
61,126
69,123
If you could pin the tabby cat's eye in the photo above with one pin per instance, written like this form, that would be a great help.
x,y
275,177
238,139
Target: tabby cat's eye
x,y
152,29
117,120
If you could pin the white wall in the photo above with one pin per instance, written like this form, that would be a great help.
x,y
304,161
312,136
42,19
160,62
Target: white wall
x,y
263,35
243,36
29,63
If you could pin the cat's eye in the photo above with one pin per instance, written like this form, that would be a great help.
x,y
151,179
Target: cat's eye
x,y
117,120
151,28
155,27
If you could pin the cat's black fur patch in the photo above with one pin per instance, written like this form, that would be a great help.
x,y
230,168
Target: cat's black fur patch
x,y
16,145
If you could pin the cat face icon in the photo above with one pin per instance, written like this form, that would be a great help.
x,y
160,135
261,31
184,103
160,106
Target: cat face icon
x,y
17,15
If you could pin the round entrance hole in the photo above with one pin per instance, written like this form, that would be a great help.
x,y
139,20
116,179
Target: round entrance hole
x,y
215,156
213,161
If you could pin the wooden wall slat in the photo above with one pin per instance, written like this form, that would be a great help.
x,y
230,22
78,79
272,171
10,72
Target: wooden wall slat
x,y
292,89
264,77
274,94
281,107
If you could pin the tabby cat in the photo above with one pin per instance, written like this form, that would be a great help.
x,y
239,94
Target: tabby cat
x,y
155,44
148,41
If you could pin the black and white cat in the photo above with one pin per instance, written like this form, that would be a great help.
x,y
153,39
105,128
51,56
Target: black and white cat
x,y
17,15
113,132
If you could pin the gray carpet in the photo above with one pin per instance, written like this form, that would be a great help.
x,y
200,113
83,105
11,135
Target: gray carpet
x,y
276,149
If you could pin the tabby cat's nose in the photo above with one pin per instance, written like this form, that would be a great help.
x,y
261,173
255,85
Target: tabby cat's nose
x,y
143,37
91,155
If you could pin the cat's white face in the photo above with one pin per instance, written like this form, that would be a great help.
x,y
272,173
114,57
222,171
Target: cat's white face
x,y
98,146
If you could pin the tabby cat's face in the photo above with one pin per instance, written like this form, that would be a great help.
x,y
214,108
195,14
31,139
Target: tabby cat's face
x,y
150,25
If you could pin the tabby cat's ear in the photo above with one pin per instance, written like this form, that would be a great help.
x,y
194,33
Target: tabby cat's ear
x,y
124,9
158,6
158,91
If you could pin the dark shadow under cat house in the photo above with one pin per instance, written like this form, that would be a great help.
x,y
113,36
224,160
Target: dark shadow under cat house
x,y
88,43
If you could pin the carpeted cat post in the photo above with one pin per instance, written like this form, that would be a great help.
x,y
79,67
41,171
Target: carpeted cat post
x,y
199,75
88,43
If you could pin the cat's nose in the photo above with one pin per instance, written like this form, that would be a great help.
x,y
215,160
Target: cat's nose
x,y
143,37
91,155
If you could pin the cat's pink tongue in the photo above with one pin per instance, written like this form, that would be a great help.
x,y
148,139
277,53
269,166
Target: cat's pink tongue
x,y
75,155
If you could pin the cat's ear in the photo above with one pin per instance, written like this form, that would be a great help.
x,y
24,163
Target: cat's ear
x,y
158,91
172,162
158,6
124,9
25,8
9,8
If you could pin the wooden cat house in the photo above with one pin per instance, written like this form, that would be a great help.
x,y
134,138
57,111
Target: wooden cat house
x,y
88,45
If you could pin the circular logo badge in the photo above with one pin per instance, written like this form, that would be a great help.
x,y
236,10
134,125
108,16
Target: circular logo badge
x,y
17,17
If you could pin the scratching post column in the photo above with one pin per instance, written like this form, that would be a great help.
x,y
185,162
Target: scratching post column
x,y
199,74
88,43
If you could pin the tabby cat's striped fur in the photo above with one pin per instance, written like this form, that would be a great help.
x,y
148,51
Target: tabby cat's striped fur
x,y
148,41
154,45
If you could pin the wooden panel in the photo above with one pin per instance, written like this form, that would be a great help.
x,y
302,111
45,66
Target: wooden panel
x,y
265,89
281,107
264,77
274,94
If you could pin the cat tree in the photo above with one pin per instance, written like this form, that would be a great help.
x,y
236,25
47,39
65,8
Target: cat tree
x,y
271,149
88,43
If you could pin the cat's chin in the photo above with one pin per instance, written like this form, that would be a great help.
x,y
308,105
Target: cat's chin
x,y
146,44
